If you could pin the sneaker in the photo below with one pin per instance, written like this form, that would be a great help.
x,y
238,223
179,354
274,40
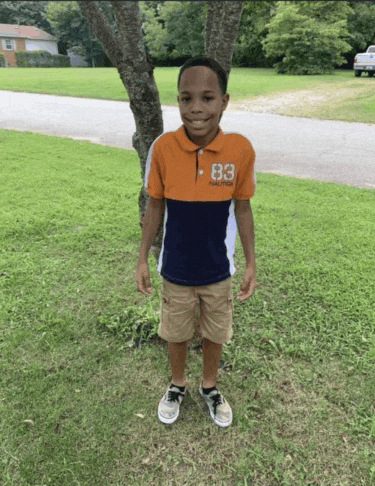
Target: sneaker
x,y
220,410
169,406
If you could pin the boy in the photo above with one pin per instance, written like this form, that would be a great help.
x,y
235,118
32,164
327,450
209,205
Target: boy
x,y
203,179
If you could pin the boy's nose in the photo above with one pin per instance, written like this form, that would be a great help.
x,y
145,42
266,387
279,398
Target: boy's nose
x,y
196,107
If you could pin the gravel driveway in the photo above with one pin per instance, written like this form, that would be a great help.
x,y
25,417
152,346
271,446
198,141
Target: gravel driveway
x,y
301,147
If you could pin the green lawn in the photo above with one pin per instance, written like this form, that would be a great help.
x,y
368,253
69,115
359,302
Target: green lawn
x,y
105,83
344,97
80,388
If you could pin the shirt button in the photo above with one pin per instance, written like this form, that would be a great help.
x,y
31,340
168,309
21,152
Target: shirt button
x,y
200,151
201,172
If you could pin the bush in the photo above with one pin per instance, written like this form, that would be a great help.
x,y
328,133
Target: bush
x,y
41,59
308,37
2,60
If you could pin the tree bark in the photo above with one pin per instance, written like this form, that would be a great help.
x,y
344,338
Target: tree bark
x,y
127,52
214,10
222,22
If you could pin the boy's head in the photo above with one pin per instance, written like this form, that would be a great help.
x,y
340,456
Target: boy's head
x,y
202,98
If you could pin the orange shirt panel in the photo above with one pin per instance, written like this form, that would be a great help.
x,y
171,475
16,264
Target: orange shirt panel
x,y
222,170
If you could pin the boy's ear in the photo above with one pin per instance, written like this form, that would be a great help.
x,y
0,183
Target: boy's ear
x,y
225,100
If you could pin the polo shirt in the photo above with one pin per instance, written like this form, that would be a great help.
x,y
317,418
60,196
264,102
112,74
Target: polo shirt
x,y
199,187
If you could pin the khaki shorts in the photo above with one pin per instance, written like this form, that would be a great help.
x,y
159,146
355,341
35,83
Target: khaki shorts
x,y
204,308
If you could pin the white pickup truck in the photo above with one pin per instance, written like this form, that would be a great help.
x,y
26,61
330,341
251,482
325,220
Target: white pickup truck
x,y
365,62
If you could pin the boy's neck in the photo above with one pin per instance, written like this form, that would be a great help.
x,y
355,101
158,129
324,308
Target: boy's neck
x,y
200,145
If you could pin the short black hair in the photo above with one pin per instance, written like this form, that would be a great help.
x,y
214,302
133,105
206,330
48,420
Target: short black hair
x,y
210,63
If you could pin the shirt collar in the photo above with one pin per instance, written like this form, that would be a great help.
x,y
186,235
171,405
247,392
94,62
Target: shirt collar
x,y
215,145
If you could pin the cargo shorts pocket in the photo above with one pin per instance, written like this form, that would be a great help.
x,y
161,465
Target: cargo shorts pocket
x,y
177,317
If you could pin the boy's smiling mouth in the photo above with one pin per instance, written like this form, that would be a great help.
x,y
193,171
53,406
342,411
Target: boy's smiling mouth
x,y
198,123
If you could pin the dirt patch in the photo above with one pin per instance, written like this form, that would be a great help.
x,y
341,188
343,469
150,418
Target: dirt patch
x,y
304,102
279,102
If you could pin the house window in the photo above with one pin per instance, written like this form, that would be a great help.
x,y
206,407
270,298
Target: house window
x,y
9,44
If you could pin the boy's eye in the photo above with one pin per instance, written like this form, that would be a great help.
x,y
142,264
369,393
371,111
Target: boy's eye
x,y
185,99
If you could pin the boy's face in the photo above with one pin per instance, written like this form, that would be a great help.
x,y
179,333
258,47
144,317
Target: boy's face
x,y
201,103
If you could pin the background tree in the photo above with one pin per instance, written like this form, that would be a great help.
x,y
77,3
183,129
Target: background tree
x,y
126,49
25,13
173,30
168,29
71,28
361,26
154,31
248,49
308,37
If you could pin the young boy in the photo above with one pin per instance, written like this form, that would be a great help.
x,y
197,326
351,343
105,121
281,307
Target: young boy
x,y
203,180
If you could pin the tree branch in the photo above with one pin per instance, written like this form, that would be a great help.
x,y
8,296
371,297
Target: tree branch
x,y
222,29
208,26
130,31
214,18
102,30
229,29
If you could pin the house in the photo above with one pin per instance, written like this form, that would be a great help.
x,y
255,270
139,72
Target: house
x,y
24,38
27,38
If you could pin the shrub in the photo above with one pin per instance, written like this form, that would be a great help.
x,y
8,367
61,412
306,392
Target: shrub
x,y
41,59
2,60
308,37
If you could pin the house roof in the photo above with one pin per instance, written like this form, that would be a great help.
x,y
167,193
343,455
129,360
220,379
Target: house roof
x,y
24,32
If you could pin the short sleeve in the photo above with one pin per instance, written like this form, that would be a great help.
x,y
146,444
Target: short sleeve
x,y
246,181
153,173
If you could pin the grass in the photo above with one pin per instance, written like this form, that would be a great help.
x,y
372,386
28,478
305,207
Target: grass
x,y
81,374
344,97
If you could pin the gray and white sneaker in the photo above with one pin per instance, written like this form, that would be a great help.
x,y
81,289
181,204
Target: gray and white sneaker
x,y
220,410
169,406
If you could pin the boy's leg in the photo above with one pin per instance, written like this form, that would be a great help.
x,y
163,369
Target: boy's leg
x,y
216,326
177,326
211,361
178,306
177,357
169,405
220,410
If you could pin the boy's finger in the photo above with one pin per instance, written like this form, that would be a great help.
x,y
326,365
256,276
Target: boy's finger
x,y
147,284
141,286
246,290
144,290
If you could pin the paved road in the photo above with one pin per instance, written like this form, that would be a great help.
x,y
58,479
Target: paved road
x,y
316,149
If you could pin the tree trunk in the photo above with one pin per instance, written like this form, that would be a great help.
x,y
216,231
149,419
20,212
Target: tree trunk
x,y
126,50
222,22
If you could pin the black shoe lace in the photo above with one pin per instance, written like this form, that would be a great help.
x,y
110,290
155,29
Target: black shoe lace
x,y
216,401
173,396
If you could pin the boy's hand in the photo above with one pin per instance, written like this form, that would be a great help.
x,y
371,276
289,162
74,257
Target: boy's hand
x,y
143,279
248,284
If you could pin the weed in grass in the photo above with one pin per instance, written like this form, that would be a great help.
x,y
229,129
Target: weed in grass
x,y
136,325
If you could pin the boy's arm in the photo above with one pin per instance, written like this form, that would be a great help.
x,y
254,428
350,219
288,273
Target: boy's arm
x,y
245,224
151,222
